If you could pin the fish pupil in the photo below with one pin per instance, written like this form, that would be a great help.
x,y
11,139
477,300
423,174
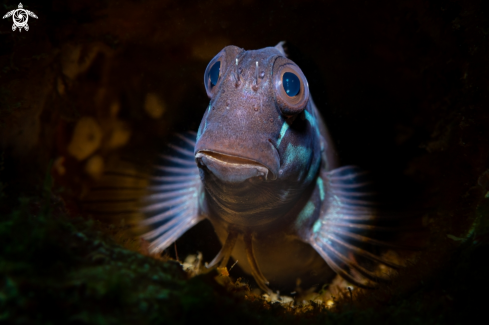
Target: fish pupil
x,y
214,73
291,84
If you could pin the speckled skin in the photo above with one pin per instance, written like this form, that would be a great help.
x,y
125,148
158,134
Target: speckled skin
x,y
243,120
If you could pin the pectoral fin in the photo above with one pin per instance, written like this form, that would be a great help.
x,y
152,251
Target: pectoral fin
x,y
164,203
346,235
171,206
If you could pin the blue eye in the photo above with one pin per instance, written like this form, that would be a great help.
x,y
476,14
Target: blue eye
x,y
291,84
214,73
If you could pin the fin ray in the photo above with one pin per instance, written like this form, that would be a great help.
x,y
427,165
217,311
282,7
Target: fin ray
x,y
365,227
255,270
164,204
171,205
174,178
190,142
346,234
365,253
184,170
162,201
177,160
168,194
166,226
225,252
349,262
164,240
344,273
165,215
181,150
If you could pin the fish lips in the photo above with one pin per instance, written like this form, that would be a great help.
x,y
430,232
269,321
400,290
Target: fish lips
x,y
231,168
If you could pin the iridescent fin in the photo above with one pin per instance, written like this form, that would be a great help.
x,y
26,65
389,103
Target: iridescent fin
x,y
163,202
255,270
347,234
225,252
171,204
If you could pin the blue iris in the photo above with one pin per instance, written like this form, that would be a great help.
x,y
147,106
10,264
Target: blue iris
x,y
214,73
291,84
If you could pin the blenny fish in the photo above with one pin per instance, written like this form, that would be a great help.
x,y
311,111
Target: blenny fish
x,y
263,169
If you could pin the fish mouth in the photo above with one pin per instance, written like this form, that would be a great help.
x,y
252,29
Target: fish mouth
x,y
232,169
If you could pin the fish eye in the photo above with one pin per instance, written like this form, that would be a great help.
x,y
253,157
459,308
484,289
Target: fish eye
x,y
291,84
217,68
214,73
291,87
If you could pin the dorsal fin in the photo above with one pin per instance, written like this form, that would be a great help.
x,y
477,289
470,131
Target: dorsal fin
x,y
280,46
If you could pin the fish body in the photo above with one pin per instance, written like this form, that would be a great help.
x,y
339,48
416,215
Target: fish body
x,y
263,169
278,159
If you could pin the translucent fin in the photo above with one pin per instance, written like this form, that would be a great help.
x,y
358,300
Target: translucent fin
x,y
280,47
163,202
255,270
225,252
347,234
171,204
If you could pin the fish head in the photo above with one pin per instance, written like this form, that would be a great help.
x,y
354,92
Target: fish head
x,y
260,126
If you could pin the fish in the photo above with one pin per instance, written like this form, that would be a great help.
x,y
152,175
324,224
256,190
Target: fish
x,y
263,169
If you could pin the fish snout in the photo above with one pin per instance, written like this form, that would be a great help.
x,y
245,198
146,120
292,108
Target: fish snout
x,y
233,169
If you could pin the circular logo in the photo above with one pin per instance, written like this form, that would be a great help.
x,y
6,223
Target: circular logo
x,y
20,18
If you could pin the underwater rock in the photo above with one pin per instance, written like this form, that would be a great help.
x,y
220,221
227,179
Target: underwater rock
x,y
95,166
154,106
119,135
87,137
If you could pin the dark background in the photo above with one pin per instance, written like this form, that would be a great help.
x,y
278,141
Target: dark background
x,y
402,86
